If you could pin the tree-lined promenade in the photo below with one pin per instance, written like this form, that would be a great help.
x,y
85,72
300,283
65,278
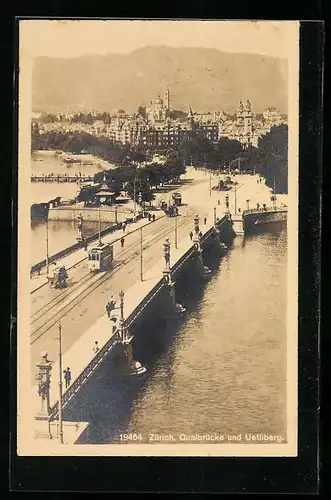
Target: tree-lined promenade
x,y
269,159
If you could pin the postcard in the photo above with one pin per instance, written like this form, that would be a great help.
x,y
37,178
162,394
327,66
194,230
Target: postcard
x,y
157,238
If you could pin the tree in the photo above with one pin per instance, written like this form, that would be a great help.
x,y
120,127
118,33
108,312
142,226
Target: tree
x,y
228,150
274,149
176,114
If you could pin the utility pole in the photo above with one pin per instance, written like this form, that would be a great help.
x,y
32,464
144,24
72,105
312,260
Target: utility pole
x,y
47,253
100,242
134,197
210,184
176,230
60,385
141,254
235,198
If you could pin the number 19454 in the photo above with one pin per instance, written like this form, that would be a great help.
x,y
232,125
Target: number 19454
x,y
130,437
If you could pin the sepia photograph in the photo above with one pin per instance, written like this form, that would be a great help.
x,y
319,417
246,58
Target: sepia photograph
x,y
157,238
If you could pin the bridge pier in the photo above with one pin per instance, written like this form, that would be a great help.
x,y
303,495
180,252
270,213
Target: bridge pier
x,y
133,367
175,307
238,224
202,270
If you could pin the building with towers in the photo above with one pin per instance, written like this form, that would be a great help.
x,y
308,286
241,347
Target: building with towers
x,y
157,110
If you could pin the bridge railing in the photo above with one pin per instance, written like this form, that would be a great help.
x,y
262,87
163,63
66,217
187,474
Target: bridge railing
x,y
86,373
281,208
142,305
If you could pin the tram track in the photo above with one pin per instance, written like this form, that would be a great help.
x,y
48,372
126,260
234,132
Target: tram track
x,y
84,279
88,284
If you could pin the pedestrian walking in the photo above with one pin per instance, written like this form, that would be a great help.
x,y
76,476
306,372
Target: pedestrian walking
x,y
122,242
191,235
123,227
96,347
110,306
153,217
205,220
67,377
219,202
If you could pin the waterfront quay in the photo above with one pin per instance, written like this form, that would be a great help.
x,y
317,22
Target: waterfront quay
x,y
82,313
78,178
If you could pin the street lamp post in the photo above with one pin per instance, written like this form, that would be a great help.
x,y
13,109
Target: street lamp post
x,y
176,239
47,251
235,199
141,254
134,193
210,184
80,227
43,378
227,202
60,385
99,215
166,252
121,295
247,201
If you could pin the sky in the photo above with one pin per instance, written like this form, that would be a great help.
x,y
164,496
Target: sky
x,y
65,39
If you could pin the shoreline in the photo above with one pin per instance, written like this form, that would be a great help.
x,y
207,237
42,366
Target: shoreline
x,y
88,159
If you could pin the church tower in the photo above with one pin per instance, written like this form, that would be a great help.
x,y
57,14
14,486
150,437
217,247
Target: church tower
x,y
167,99
248,118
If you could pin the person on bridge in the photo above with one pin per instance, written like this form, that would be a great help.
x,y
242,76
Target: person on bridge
x,y
67,377
219,202
96,347
110,306
123,227
191,235
153,217
122,242
205,220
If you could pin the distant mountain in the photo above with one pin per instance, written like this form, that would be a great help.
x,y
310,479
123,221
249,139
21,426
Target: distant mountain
x,y
205,78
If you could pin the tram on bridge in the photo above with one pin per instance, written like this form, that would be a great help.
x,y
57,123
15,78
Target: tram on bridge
x,y
100,257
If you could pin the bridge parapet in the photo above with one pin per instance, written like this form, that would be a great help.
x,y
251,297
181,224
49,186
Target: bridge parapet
x,y
264,210
85,374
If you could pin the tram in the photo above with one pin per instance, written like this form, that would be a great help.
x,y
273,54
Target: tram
x,y
100,257
177,198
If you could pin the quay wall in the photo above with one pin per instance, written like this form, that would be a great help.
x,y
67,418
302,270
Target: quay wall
x,y
89,214
76,246
252,221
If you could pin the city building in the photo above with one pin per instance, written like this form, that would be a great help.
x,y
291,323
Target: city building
x,y
158,129
157,110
